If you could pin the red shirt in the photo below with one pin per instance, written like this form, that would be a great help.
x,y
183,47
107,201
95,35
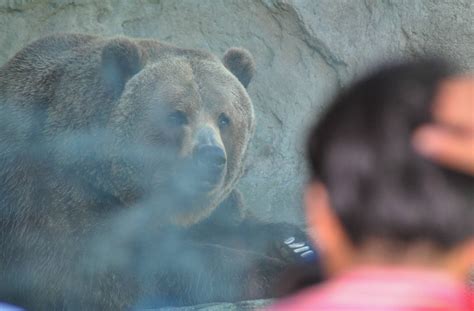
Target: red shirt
x,y
388,289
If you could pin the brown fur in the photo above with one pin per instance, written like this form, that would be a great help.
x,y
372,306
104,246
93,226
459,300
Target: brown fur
x,y
84,137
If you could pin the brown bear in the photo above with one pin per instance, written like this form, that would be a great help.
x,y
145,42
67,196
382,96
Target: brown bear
x,y
115,154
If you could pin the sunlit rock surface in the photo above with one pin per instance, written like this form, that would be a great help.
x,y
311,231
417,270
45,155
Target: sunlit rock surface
x,y
305,50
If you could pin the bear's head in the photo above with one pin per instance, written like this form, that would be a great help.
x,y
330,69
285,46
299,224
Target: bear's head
x,y
186,118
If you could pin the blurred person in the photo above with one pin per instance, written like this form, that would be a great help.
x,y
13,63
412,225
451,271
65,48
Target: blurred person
x,y
395,228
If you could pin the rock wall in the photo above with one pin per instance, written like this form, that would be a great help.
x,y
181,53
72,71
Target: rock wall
x,y
238,306
305,50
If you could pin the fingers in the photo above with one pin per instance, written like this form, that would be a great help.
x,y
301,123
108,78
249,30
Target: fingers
x,y
450,139
454,104
453,149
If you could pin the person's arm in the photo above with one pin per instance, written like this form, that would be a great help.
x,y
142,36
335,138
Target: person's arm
x,y
450,139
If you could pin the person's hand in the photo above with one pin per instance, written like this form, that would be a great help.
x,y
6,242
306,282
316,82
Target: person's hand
x,y
450,139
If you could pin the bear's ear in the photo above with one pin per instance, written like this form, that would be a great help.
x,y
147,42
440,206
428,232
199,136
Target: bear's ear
x,y
121,60
240,62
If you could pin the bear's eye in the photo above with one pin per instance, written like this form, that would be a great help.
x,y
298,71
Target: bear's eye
x,y
223,121
177,118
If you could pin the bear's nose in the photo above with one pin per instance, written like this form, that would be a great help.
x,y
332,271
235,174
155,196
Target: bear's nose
x,y
210,156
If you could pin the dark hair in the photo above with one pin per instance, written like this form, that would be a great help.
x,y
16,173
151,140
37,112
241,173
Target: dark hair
x,y
378,185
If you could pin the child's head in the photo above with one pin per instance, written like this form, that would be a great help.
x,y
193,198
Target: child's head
x,y
380,192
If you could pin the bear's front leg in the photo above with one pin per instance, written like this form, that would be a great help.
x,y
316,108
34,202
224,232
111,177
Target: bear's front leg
x,y
235,227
